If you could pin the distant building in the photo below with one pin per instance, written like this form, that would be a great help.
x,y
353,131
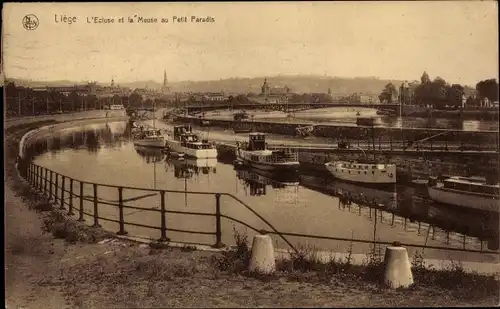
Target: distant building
x,y
165,89
368,98
470,92
208,96
272,95
407,92
266,90
214,96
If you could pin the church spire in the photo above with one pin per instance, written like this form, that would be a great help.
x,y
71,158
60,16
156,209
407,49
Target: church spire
x,y
165,78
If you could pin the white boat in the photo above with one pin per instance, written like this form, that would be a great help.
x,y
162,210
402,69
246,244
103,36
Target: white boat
x,y
468,192
256,154
149,138
363,171
185,141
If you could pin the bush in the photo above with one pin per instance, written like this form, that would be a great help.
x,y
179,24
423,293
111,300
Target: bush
x,y
238,260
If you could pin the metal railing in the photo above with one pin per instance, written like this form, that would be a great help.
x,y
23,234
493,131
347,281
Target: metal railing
x,y
53,186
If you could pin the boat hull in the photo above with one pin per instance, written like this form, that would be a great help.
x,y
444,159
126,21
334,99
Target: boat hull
x,y
151,142
389,177
272,167
176,146
466,200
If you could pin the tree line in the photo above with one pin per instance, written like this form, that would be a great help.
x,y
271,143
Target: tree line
x,y
24,101
439,93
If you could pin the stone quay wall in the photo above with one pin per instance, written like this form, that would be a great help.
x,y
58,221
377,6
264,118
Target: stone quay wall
x,y
483,139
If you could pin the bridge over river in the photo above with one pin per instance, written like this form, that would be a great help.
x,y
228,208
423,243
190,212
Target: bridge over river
x,y
290,107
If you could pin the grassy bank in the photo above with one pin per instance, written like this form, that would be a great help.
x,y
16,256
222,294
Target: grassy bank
x,y
93,270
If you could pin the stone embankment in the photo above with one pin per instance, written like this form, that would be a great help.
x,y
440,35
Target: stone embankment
x,y
364,133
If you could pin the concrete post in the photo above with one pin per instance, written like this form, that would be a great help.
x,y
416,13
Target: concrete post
x,y
262,260
397,273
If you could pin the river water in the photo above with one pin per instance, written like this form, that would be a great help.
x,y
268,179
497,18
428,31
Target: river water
x,y
307,203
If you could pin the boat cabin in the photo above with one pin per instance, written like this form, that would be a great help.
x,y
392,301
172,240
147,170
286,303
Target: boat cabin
x,y
188,139
149,133
184,133
361,167
257,141
471,185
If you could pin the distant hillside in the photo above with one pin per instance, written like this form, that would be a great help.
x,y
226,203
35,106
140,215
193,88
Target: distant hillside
x,y
318,84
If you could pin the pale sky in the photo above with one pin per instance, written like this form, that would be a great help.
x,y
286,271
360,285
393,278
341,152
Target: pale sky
x,y
456,40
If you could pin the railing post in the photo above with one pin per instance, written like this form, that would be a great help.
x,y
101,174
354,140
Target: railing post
x,y
218,230
163,218
29,173
120,209
32,176
63,188
40,179
80,216
56,187
35,177
45,182
70,211
50,185
96,214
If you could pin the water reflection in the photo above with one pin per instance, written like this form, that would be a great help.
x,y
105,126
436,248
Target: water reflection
x,y
150,155
411,203
257,182
92,138
316,198
187,167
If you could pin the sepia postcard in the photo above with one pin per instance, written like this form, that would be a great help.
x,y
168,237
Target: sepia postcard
x,y
251,154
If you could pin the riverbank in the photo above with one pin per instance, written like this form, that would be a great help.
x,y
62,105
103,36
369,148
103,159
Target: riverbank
x,y
458,114
389,135
81,269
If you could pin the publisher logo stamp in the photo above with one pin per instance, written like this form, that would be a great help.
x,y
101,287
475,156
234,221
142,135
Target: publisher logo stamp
x,y
30,22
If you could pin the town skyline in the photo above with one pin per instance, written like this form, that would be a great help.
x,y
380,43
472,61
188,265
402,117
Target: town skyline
x,y
344,40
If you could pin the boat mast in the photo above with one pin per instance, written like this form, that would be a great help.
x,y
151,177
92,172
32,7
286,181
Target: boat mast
x,y
373,141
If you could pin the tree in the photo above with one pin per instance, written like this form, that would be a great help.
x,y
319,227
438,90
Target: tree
x,y
425,78
435,93
388,94
488,89
241,99
455,94
135,99
116,100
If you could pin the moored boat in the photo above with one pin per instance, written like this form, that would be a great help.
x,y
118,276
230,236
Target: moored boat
x,y
363,171
149,138
239,127
469,192
185,141
256,154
